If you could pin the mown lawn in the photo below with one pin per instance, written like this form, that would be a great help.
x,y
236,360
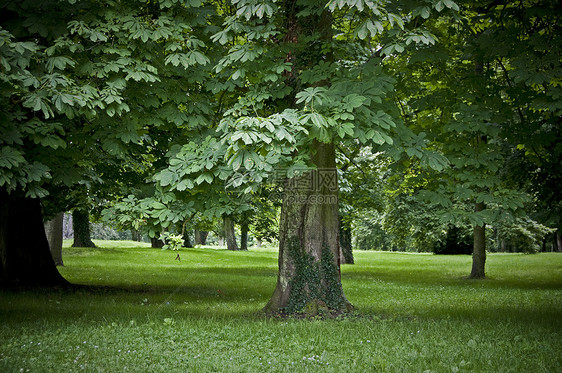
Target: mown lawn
x,y
145,311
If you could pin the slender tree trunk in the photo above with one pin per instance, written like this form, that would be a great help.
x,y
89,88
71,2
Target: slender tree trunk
x,y
53,229
558,241
244,236
136,235
201,237
479,250
81,227
67,232
229,235
187,239
346,252
25,258
309,253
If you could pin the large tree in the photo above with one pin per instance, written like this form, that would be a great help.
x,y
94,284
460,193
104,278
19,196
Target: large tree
x,y
80,80
296,79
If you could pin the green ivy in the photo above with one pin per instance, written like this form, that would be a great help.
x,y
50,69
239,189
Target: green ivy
x,y
313,282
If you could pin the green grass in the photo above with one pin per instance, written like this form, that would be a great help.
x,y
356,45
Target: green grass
x,y
147,312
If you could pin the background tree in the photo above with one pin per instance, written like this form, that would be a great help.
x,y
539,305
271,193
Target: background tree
x,y
470,107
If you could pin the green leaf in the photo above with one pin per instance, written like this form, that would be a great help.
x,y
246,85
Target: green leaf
x,y
10,157
158,205
318,120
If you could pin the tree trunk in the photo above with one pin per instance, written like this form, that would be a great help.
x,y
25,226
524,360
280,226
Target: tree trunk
x,y
201,237
479,248
309,254
53,229
136,235
346,252
25,258
67,232
259,243
558,241
244,236
81,227
187,240
229,235
156,243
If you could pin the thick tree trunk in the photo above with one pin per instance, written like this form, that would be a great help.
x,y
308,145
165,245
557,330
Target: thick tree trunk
x,y
346,252
229,235
81,227
244,236
479,249
53,229
25,258
201,237
309,254
156,243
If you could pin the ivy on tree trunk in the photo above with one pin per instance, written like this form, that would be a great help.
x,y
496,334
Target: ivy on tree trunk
x,y
309,252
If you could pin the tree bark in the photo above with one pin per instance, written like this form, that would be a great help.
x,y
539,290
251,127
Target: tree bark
x,y
53,229
201,237
346,252
229,235
479,248
25,258
187,240
309,252
81,227
558,241
136,235
156,243
244,236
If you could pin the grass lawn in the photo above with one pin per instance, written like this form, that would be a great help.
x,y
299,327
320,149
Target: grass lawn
x,y
148,312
